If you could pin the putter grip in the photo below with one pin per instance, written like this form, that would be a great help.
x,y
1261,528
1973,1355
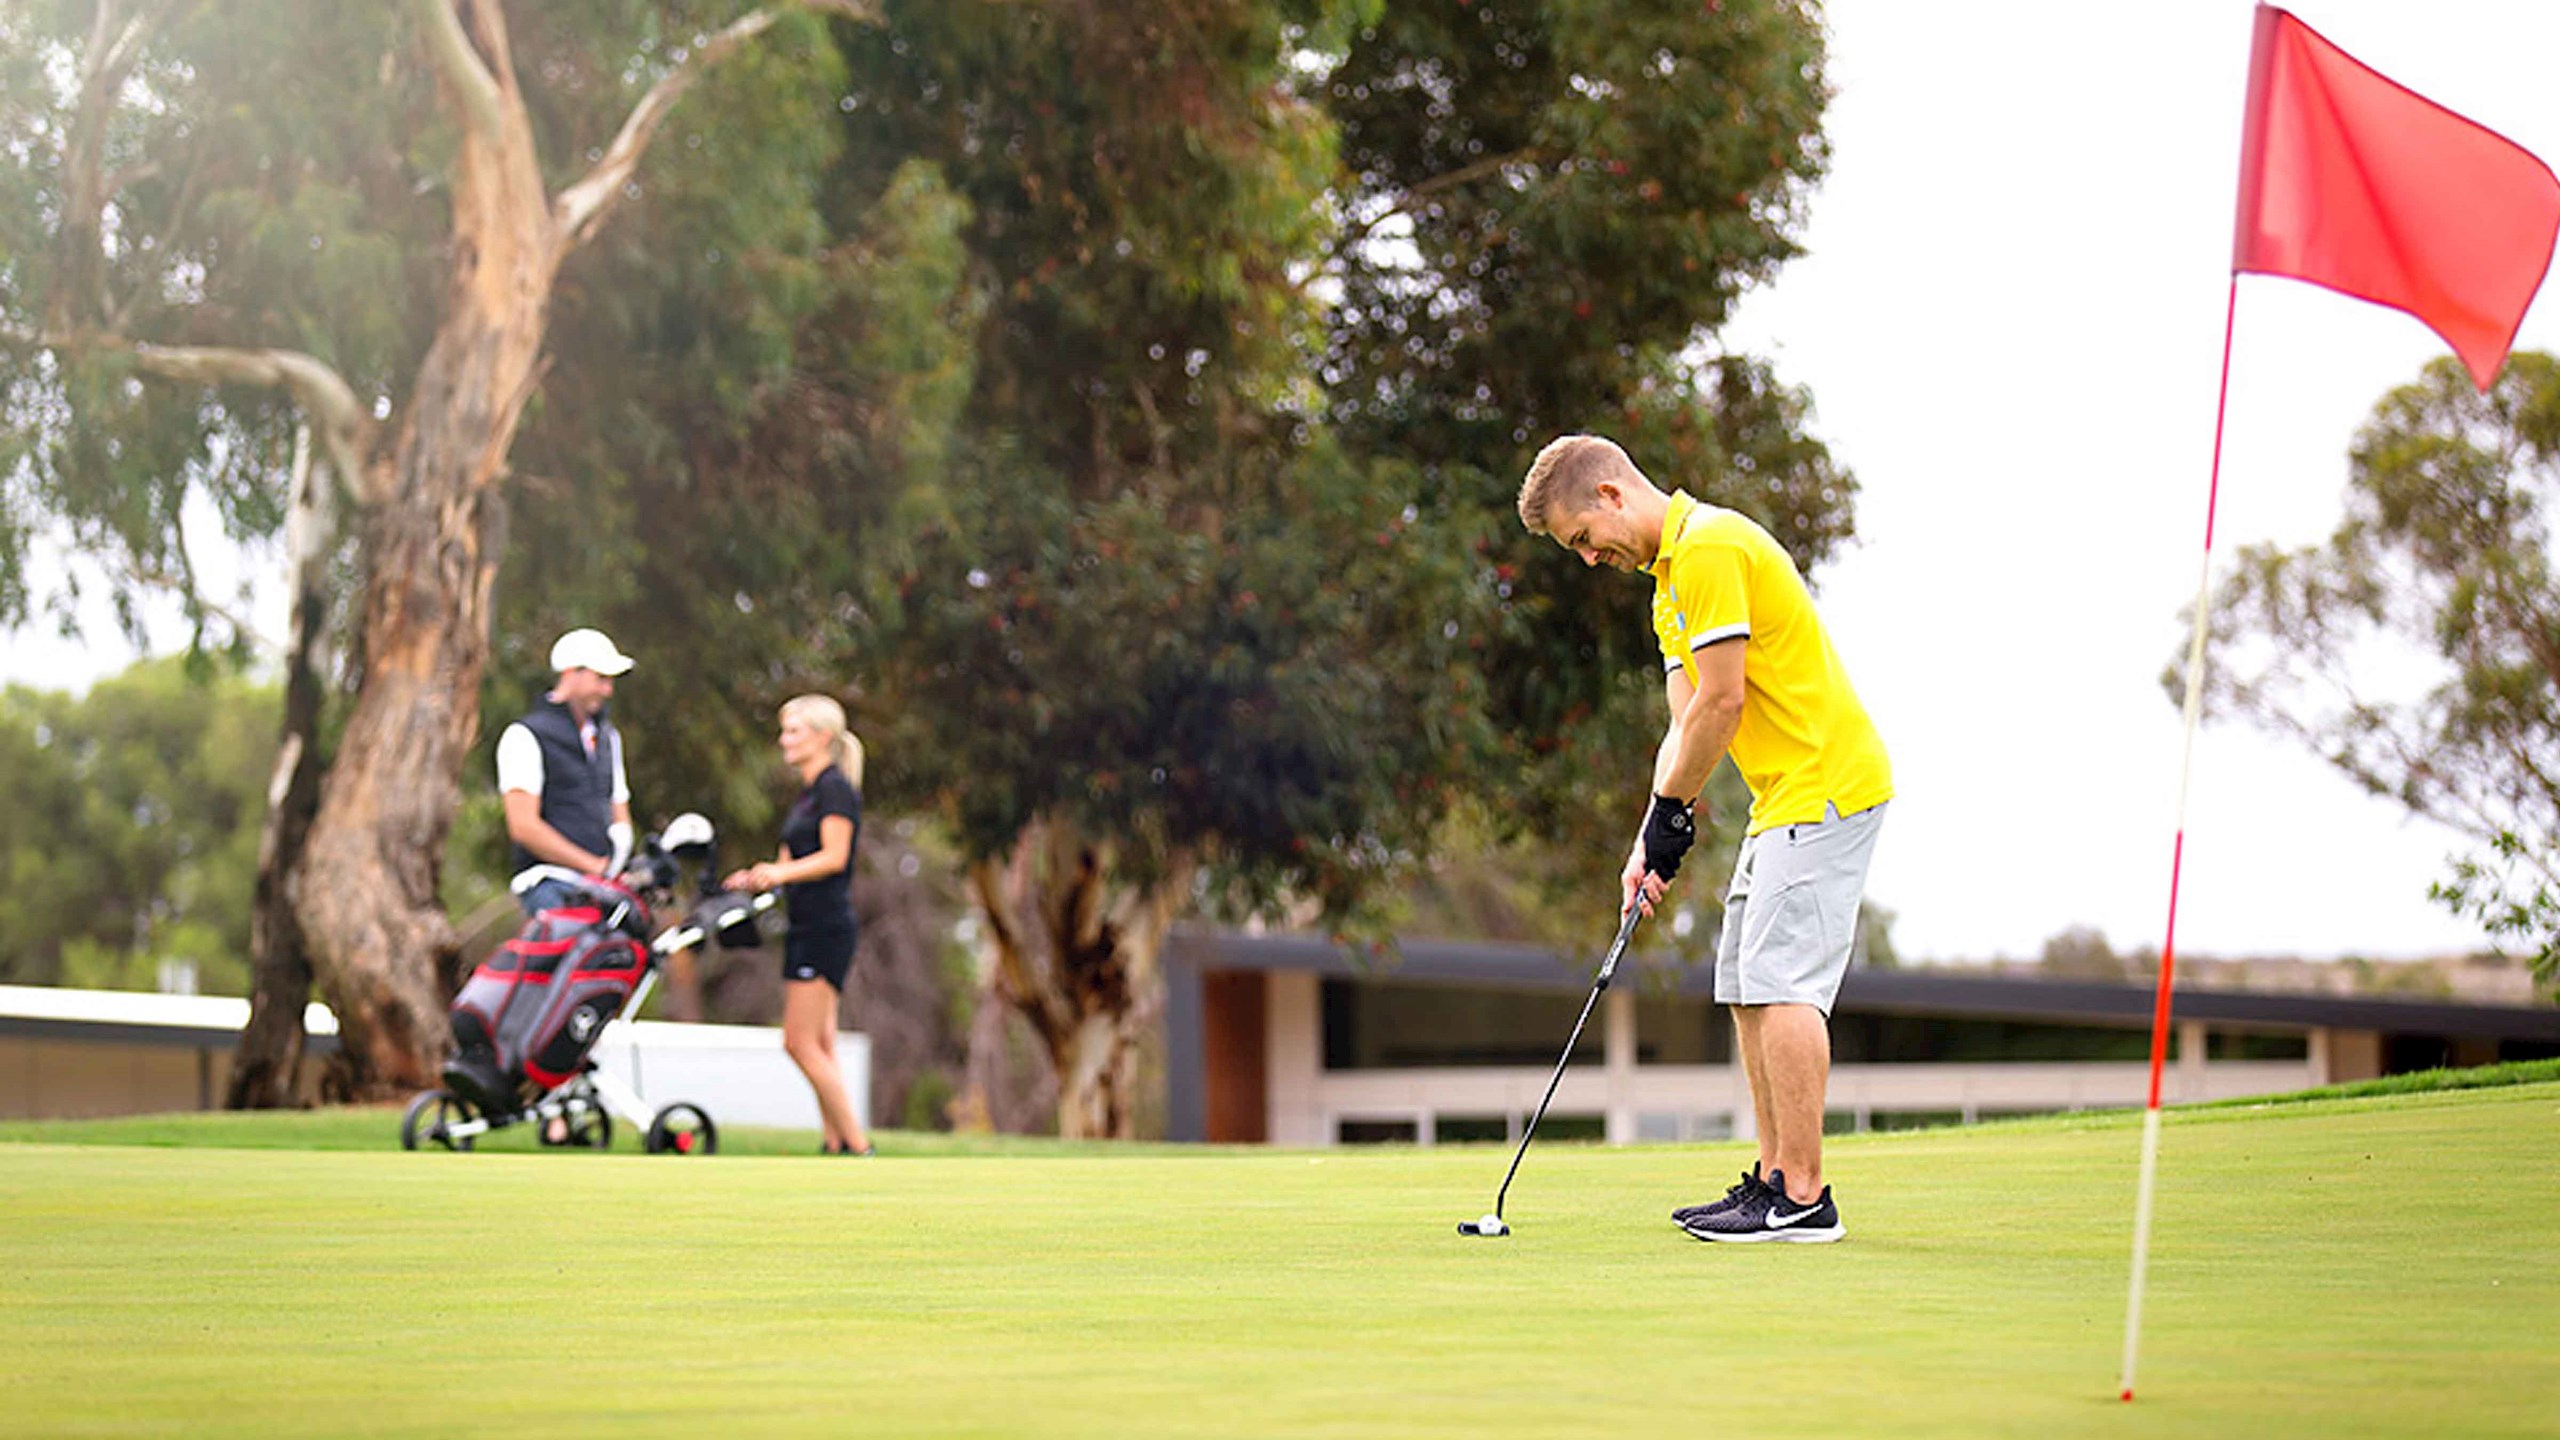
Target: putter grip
x,y
1618,947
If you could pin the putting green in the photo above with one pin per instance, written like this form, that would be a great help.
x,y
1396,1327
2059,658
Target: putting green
x,y
2382,1266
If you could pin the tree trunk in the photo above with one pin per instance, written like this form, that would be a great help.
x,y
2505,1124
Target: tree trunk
x,y
266,1067
1075,951
368,889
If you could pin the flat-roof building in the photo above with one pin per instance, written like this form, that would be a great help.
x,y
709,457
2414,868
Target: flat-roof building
x,y
1285,1039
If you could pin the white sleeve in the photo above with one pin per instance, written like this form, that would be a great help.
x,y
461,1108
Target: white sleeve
x,y
621,781
519,760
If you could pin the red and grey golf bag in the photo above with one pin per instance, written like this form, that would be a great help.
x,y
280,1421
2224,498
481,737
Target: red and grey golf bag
x,y
525,1020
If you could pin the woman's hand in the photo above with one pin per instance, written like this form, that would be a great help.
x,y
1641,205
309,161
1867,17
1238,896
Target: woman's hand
x,y
755,879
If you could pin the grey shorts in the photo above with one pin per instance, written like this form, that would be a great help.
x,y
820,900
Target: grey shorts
x,y
1791,914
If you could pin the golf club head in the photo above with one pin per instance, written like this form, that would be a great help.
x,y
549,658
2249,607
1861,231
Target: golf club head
x,y
1489,1226
687,836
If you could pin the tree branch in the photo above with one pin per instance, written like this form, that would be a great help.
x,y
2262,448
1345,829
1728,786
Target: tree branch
x,y
344,428
583,205
127,46
326,398
1403,203
113,48
449,48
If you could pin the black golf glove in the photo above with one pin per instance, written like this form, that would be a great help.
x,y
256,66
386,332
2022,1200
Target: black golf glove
x,y
1669,831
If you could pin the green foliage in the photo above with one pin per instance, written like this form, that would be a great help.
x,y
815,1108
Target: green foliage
x,y
1285,688
1568,192
2441,567
2512,896
137,809
1144,199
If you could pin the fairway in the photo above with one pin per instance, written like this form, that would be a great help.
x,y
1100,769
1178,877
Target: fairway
x,y
2316,1271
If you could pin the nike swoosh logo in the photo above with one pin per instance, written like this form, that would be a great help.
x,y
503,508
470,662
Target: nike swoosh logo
x,y
1781,1222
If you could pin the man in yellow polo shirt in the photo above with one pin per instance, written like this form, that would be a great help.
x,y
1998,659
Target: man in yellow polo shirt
x,y
1750,673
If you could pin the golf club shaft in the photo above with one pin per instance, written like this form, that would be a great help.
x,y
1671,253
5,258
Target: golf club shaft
x,y
1608,967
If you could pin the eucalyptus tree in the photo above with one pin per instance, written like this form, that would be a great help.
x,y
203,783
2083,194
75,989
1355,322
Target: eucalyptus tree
x,y
2417,650
238,231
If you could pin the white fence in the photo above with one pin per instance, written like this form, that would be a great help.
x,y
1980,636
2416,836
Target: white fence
x,y
78,1053
737,1072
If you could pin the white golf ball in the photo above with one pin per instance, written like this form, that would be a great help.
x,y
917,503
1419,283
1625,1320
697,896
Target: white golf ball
x,y
1492,1225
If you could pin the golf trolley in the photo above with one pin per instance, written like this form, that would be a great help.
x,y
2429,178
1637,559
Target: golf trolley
x,y
527,1020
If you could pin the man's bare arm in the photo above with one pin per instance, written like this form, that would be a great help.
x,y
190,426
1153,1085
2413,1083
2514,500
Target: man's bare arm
x,y
1704,718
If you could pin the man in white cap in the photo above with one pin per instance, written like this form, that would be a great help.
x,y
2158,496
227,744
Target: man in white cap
x,y
560,774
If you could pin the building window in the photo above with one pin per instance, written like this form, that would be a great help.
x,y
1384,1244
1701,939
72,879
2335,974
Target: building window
x,y
1858,1039
1674,1031
2256,1045
1377,1132
1384,1025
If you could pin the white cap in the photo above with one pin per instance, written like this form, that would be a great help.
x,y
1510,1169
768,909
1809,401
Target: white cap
x,y
588,650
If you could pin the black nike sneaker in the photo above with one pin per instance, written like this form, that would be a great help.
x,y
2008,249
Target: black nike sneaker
x,y
1767,1214
1732,1197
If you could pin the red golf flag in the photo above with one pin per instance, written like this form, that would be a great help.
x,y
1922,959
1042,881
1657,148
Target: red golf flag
x,y
2350,181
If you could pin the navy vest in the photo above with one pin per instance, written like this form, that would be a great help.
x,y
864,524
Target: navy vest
x,y
577,792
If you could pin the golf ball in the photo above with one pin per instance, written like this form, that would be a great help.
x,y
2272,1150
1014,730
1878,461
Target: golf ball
x,y
1492,1225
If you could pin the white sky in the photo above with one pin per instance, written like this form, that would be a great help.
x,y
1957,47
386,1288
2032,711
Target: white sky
x,y
2011,318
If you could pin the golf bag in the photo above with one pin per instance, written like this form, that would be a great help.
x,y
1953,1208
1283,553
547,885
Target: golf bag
x,y
525,1020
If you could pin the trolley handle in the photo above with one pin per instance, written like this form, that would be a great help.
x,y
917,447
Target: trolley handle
x,y
691,932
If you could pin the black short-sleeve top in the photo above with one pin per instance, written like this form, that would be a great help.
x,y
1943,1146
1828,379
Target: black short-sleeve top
x,y
826,902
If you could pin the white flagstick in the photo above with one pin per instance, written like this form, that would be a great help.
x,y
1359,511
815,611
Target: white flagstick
x,y
2177,862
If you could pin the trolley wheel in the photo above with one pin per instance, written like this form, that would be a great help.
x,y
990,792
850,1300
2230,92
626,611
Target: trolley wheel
x,y
682,1129
429,1118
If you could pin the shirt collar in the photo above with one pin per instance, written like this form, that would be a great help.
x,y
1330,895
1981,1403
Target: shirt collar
x,y
1674,520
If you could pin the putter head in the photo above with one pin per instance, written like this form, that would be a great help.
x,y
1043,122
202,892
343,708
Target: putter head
x,y
1488,1226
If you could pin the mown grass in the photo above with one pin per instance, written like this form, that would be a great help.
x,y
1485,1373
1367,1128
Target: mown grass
x,y
378,1128
2377,1265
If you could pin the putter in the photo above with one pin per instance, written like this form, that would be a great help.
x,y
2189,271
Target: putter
x,y
1492,1225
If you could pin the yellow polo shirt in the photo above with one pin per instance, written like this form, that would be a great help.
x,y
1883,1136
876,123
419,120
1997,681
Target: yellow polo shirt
x,y
1804,741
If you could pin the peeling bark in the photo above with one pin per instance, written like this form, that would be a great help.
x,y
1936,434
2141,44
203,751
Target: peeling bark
x,y
1074,951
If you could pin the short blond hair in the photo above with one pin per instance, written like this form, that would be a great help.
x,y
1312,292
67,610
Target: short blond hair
x,y
822,714
1565,477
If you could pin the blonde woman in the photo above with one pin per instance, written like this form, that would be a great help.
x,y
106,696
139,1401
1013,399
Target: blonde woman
x,y
815,869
